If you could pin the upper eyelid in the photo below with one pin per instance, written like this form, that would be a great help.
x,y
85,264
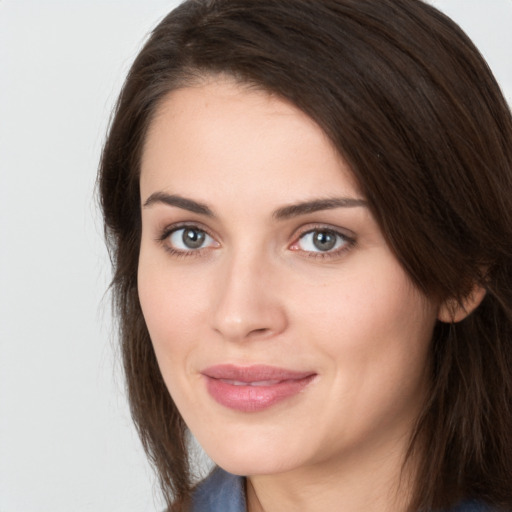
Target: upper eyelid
x,y
167,229
163,239
349,242
297,233
308,228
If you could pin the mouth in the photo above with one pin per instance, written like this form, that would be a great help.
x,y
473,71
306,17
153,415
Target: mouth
x,y
253,388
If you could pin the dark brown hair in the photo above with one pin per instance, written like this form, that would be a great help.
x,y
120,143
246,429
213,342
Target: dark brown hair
x,y
411,105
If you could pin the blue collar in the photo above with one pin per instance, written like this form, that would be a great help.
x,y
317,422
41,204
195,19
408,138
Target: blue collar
x,y
224,492
220,492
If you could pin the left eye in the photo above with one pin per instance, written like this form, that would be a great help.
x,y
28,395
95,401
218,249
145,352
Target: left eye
x,y
321,240
189,239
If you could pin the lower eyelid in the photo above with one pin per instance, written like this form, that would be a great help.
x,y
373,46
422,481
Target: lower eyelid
x,y
166,233
330,255
342,236
347,241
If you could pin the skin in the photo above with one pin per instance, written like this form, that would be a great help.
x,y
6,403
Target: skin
x,y
258,291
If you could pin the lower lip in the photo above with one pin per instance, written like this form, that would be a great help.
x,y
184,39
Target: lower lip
x,y
254,398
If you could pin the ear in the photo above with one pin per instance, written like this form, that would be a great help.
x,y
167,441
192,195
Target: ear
x,y
452,311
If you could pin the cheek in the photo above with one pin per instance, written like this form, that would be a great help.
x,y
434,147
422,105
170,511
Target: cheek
x,y
173,316
363,314
375,329
172,308
375,338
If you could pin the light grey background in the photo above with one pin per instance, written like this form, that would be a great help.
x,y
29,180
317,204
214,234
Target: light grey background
x,y
66,439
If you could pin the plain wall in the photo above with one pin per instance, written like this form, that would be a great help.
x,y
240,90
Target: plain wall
x,y
66,438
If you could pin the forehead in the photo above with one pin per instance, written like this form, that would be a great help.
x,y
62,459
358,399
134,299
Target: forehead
x,y
224,134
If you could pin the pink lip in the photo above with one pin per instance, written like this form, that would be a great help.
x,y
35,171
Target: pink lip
x,y
253,388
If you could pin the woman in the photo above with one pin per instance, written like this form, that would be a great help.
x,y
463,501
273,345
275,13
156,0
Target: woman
x,y
309,209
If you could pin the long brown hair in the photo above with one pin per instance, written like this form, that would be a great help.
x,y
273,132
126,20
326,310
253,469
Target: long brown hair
x,y
411,105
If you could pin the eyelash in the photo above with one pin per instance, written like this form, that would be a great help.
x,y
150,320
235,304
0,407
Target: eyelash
x,y
179,253
347,241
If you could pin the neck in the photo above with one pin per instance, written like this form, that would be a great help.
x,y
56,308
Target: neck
x,y
377,482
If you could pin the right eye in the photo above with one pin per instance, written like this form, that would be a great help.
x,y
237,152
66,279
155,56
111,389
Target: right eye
x,y
188,239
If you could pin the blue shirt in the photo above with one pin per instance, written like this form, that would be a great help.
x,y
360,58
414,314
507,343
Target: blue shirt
x,y
220,492
224,492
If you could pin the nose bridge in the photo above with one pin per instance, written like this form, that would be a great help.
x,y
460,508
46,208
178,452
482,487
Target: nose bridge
x,y
247,304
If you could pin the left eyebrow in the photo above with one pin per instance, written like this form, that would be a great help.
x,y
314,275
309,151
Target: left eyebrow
x,y
316,205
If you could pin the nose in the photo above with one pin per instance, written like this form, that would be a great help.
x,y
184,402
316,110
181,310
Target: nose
x,y
247,303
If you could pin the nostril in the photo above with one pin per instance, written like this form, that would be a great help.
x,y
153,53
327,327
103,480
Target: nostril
x,y
259,332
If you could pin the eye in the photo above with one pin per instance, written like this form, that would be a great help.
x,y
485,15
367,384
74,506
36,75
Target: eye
x,y
321,241
189,238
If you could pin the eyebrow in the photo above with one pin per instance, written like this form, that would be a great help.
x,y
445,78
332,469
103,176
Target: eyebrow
x,y
180,202
316,205
286,212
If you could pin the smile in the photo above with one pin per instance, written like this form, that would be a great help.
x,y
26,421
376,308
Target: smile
x,y
253,388
257,383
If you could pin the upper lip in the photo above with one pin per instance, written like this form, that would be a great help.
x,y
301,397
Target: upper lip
x,y
254,373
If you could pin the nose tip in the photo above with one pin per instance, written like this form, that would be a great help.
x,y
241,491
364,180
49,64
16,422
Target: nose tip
x,y
249,321
242,326
248,307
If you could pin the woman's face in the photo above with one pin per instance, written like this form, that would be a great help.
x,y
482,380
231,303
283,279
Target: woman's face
x,y
286,331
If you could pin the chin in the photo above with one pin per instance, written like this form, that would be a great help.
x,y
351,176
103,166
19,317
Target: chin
x,y
244,466
251,457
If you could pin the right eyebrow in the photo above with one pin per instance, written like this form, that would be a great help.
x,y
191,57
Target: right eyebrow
x,y
179,202
316,205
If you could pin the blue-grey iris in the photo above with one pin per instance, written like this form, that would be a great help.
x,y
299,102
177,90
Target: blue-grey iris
x,y
193,238
324,240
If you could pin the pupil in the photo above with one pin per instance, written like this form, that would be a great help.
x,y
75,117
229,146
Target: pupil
x,y
193,238
324,241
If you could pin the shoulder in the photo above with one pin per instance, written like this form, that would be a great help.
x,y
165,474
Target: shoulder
x,y
473,506
222,491
219,491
